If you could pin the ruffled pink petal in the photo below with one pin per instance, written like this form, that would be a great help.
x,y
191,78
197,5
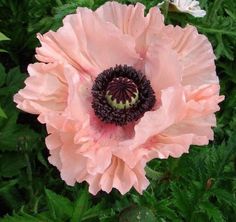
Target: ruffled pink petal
x,y
194,128
199,119
58,121
88,43
119,176
152,31
142,182
55,159
53,141
172,110
103,171
203,101
131,20
54,144
129,156
163,145
162,66
98,144
45,90
79,95
200,127
73,165
99,159
195,54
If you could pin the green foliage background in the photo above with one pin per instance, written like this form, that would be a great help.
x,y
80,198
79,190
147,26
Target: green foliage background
x,y
200,186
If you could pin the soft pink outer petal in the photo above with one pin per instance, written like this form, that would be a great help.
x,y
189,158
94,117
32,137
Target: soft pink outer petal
x,y
79,95
65,157
195,54
202,103
195,128
131,20
88,43
54,144
45,90
76,165
162,66
129,156
203,100
100,159
172,110
73,165
119,176
163,145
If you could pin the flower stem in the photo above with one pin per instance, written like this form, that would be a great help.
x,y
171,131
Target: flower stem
x,y
153,174
29,174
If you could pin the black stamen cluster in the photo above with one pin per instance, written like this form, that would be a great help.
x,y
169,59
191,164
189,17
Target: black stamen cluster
x,y
121,117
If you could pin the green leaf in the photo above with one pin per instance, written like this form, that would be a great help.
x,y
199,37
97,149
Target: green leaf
x,y
163,210
224,48
60,207
181,200
8,194
3,50
2,75
10,164
212,212
2,113
3,37
12,81
22,217
224,196
220,25
15,79
81,206
92,212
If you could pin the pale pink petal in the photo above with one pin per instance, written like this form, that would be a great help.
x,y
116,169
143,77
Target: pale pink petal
x,y
79,95
131,20
195,54
162,66
152,31
73,164
195,128
172,110
199,126
53,141
119,176
163,145
129,156
93,181
99,158
45,90
58,121
88,43
203,100
142,182
55,159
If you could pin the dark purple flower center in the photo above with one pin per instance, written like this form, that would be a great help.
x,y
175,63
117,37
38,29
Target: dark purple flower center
x,y
122,95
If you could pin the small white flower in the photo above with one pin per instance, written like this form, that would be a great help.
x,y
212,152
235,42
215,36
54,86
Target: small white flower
x,y
187,6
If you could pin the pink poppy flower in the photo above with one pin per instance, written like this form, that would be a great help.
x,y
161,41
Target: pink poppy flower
x,y
117,89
